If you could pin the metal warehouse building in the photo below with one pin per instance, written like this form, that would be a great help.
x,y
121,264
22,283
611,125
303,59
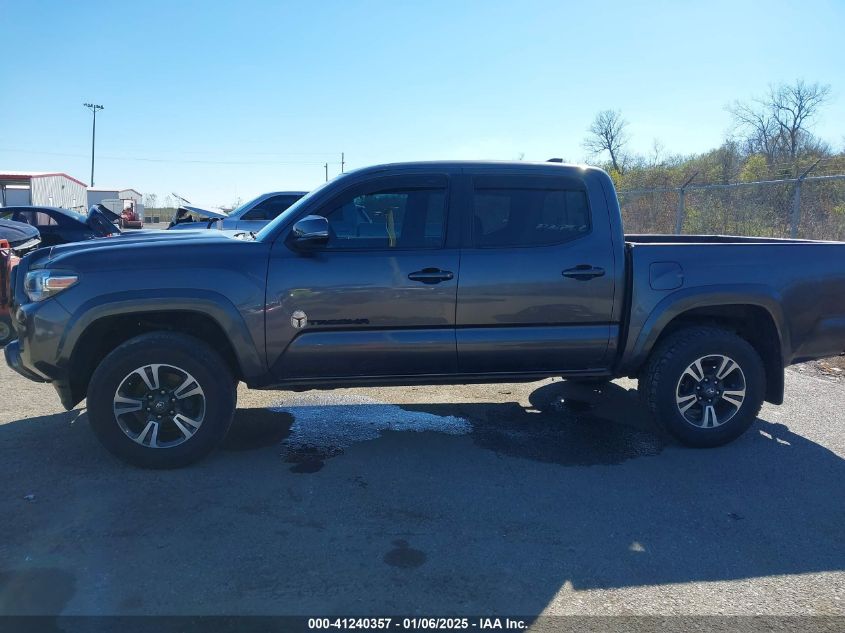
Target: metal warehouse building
x,y
98,195
48,189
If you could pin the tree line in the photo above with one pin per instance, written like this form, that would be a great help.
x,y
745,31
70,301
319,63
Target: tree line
x,y
771,139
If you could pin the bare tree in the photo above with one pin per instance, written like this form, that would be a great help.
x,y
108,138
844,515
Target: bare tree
x,y
757,127
151,201
607,134
792,107
778,124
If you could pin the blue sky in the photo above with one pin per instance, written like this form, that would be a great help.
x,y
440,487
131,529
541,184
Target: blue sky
x,y
225,100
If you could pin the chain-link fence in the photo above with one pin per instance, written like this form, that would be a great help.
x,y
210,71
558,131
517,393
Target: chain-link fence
x,y
812,207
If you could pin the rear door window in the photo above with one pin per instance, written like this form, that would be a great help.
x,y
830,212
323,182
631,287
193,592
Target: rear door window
x,y
538,215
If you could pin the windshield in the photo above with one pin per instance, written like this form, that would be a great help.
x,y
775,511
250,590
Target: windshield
x,y
245,205
289,212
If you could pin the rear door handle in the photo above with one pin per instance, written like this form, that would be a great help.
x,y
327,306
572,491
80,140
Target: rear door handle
x,y
583,272
431,275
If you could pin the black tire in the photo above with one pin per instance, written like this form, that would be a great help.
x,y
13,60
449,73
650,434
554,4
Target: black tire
x,y
661,386
177,353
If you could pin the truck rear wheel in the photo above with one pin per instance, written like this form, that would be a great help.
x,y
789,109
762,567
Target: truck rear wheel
x,y
704,385
161,400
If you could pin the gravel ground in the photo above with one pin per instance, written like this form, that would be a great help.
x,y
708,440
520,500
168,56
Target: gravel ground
x,y
538,498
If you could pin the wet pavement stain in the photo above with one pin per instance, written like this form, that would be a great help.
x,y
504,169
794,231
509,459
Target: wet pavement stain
x,y
566,424
309,459
583,441
308,467
578,425
404,556
257,428
325,424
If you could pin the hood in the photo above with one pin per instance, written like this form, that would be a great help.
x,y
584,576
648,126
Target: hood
x,y
164,250
101,220
143,239
19,234
185,210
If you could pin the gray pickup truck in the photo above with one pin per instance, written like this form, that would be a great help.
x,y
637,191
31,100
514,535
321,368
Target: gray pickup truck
x,y
422,273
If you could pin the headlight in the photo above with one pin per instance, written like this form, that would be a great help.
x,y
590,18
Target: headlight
x,y
42,284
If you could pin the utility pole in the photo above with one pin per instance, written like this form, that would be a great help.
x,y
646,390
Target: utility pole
x,y
93,107
327,171
342,162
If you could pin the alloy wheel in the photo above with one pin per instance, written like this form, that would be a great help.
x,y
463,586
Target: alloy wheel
x,y
710,391
159,406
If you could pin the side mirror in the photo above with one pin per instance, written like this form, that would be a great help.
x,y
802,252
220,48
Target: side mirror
x,y
311,231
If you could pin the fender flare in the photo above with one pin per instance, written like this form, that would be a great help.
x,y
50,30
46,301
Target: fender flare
x,y
677,303
216,306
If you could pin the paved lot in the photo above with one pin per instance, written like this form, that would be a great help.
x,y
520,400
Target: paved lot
x,y
497,499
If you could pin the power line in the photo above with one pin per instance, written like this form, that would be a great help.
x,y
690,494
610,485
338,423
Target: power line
x,y
174,160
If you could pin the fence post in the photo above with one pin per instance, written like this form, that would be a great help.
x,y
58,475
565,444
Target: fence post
x,y
795,218
679,218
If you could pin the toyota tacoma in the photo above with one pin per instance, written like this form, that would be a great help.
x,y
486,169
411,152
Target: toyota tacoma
x,y
422,273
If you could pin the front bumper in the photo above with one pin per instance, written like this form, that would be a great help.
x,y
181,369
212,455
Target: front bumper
x,y
13,360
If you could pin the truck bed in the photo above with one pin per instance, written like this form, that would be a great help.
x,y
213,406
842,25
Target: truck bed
x,y
798,284
646,238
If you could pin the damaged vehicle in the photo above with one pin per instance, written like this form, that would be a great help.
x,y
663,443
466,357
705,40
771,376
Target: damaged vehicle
x,y
16,239
64,226
250,216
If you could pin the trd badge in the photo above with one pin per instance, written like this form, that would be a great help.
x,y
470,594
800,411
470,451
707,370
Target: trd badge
x,y
299,319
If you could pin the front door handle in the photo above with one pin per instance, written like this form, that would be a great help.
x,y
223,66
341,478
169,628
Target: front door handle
x,y
583,272
431,275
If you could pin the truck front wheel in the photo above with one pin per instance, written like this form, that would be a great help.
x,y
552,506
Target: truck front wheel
x,y
704,385
161,400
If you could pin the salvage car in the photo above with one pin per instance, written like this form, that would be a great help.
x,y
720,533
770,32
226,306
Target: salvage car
x,y
16,239
20,236
63,226
422,273
251,216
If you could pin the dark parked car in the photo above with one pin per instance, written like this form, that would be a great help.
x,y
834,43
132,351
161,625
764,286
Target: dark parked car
x,y
21,237
251,216
423,273
62,226
16,239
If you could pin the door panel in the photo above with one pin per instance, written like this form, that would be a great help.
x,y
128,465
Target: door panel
x,y
373,299
526,307
370,319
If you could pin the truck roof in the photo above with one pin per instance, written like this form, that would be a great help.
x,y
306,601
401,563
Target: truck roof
x,y
458,165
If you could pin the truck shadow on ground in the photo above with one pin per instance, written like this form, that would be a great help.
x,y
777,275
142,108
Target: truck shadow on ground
x,y
531,506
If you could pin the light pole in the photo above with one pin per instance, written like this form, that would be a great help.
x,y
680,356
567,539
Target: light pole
x,y
93,107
